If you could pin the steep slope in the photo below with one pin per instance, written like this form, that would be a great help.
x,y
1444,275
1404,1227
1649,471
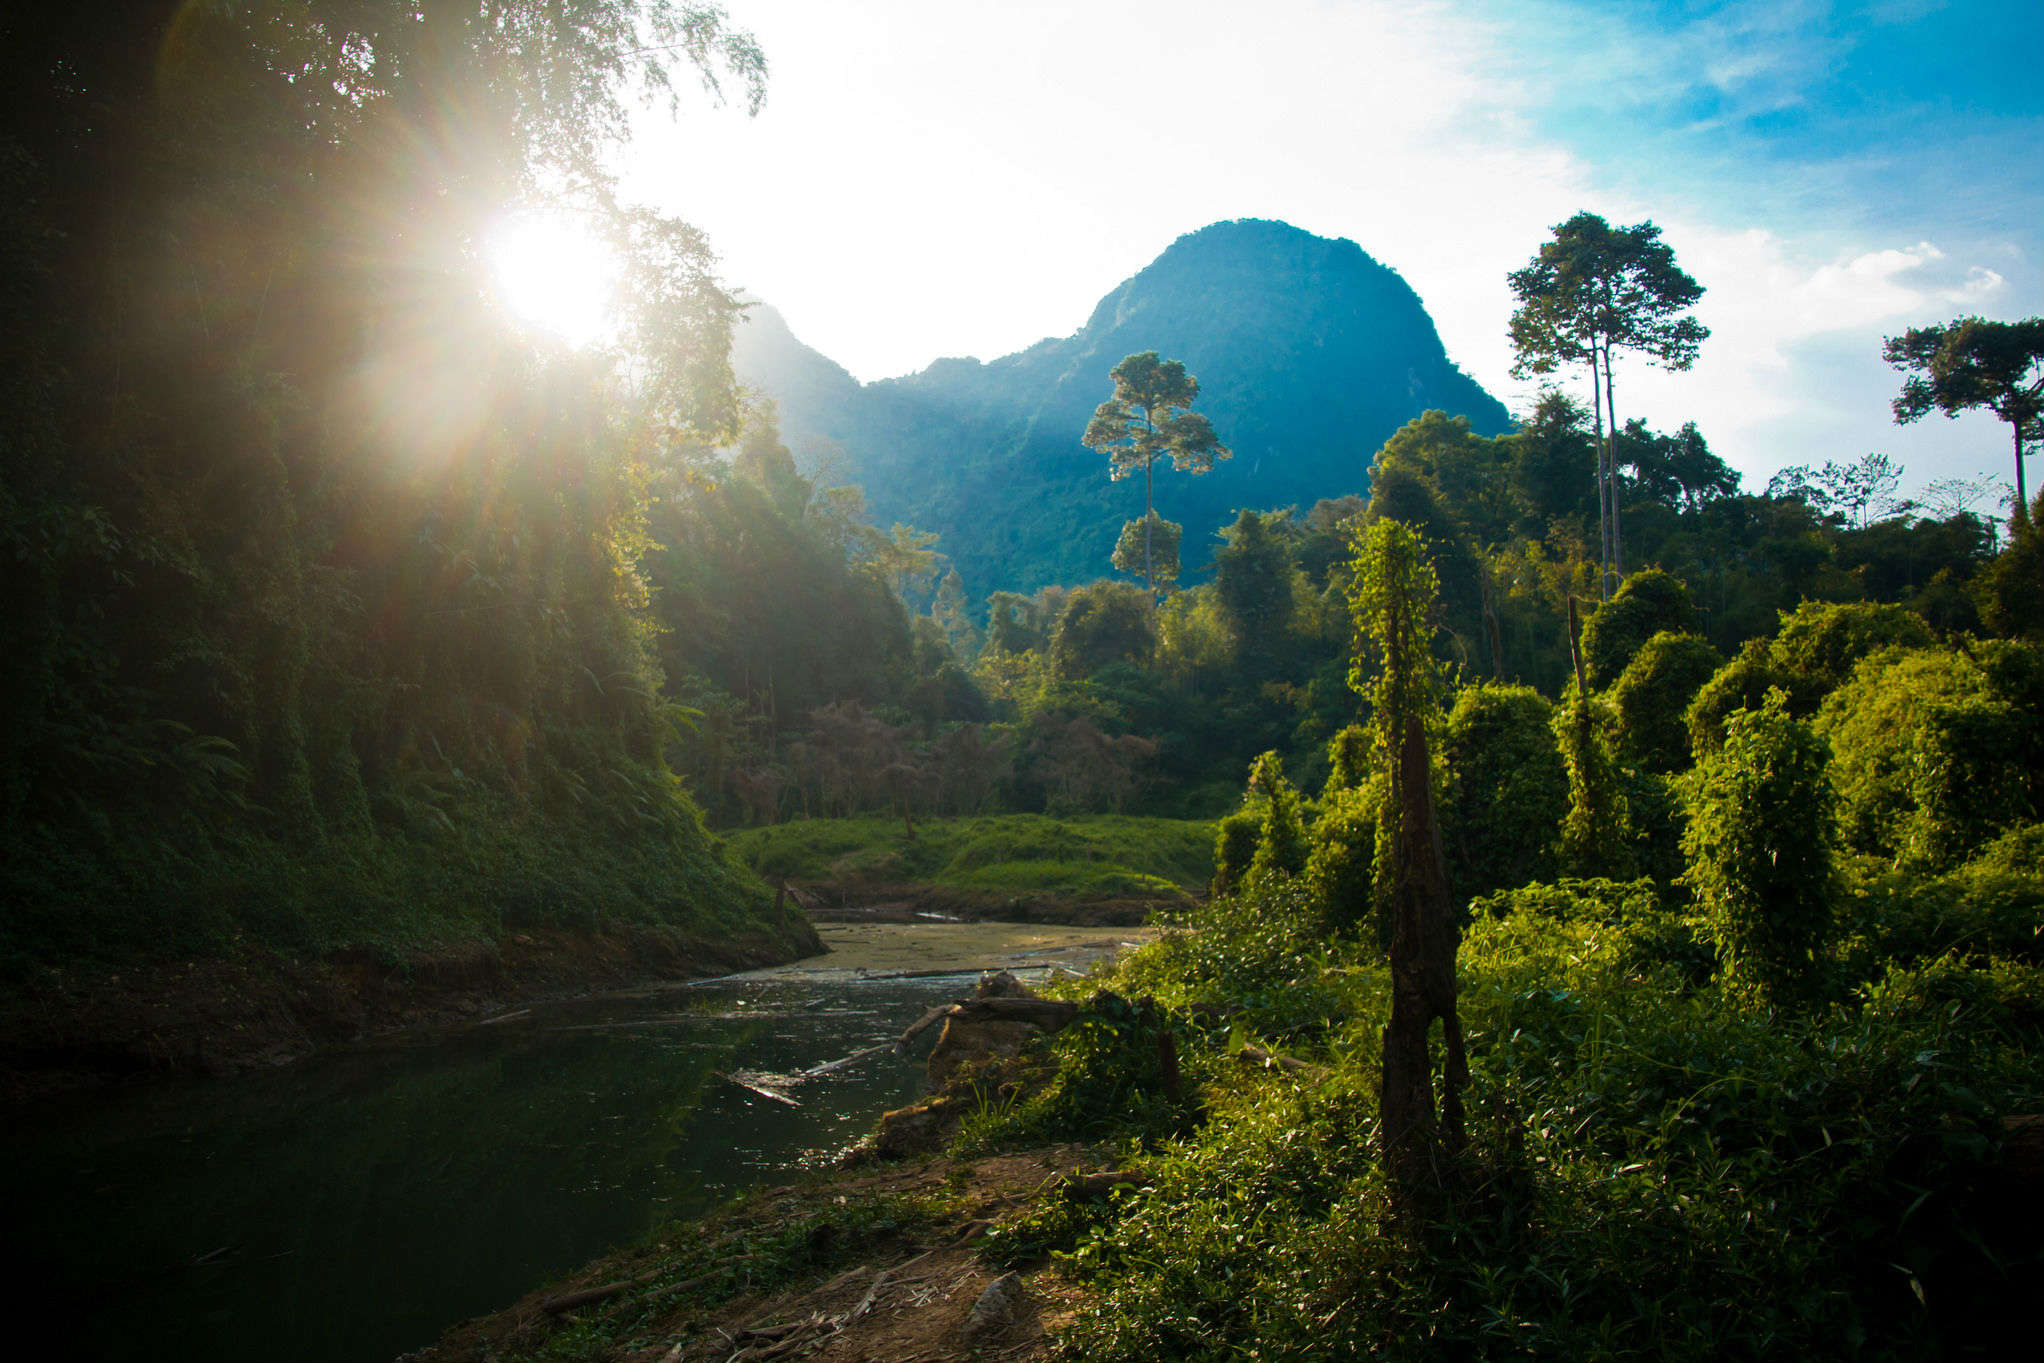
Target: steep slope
x,y
1308,352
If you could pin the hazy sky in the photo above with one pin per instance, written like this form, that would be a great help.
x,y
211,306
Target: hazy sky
x,y
933,178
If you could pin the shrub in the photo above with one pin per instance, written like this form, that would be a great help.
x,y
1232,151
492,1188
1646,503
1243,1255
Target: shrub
x,y
1650,601
1652,694
1236,838
1741,684
1504,790
1821,642
1341,856
1281,840
1760,846
1596,829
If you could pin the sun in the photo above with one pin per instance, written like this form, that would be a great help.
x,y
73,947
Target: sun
x,y
554,275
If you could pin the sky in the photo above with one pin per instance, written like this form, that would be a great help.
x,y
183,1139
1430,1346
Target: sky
x,y
929,178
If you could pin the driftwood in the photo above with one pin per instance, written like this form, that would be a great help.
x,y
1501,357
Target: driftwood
x,y
832,1066
568,1301
763,1092
1049,1014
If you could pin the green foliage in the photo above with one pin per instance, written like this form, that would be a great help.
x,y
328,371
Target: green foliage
x,y
1741,684
1237,837
1281,841
1650,601
1348,758
1760,842
1341,857
1934,753
1086,855
1103,623
1652,695
1822,642
1504,788
1148,548
1596,833
1253,587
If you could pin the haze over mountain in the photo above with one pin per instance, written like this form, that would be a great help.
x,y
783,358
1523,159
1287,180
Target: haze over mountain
x,y
1308,352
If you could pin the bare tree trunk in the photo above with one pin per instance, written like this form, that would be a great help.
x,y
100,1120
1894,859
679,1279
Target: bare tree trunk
x,y
1611,411
2022,489
1603,486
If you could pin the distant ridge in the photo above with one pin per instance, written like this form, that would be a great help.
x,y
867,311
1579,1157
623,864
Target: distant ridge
x,y
1309,354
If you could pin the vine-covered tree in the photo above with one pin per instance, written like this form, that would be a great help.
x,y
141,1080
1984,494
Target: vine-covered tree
x,y
1148,419
1592,291
1149,547
1392,602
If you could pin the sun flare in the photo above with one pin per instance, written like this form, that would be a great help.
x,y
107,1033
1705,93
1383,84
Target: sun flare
x,y
554,275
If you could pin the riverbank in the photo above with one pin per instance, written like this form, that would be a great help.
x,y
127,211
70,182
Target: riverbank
x,y
222,1015
1030,868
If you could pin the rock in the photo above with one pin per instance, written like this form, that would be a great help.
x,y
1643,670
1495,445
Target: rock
x,y
996,1306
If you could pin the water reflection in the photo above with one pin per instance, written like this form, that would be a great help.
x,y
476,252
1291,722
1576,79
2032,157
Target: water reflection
x,y
351,1208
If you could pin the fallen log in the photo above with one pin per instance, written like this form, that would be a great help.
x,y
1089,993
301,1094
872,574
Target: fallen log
x,y
568,1301
763,1092
1256,1055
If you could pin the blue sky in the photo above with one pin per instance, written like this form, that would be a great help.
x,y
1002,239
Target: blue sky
x,y
930,178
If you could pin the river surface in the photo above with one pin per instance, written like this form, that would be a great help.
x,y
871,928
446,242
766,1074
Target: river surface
x,y
350,1208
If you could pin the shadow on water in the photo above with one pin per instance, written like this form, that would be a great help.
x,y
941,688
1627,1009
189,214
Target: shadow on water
x,y
351,1208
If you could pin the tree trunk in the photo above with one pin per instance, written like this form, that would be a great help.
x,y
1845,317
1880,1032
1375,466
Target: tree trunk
x,y
2022,490
1611,411
1418,1140
1603,488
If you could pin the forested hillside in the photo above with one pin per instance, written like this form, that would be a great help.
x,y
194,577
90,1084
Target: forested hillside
x,y
326,578
1310,354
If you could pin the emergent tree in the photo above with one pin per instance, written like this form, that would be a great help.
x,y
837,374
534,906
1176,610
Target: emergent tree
x,y
1591,292
1149,418
1975,363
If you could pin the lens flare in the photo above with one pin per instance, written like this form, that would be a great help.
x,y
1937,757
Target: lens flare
x,y
553,275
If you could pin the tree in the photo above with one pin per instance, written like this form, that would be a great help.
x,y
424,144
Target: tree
x,y
1975,363
1149,418
1591,292
1392,603
1861,492
1150,547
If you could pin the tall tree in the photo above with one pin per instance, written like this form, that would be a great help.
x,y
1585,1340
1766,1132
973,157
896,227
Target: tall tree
x,y
1975,363
1149,418
1591,292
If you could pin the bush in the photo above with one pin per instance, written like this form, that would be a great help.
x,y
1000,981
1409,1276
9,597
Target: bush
x,y
1820,644
1652,694
1650,601
1341,857
1504,790
1281,840
1741,684
1596,829
1760,846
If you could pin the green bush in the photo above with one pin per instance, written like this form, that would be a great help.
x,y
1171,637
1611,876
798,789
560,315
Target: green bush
x,y
1342,854
1596,834
1741,684
1504,788
1236,839
1760,845
1652,694
1649,602
1821,642
1281,840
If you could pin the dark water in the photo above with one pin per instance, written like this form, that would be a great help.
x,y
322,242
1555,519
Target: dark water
x,y
351,1208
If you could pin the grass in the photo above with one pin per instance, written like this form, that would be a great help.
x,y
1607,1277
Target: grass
x,y
1661,1166
1098,856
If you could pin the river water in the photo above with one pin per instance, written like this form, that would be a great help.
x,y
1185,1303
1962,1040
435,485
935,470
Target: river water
x,y
350,1208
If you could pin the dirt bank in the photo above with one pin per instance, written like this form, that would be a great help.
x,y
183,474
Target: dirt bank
x,y
849,1269
218,1016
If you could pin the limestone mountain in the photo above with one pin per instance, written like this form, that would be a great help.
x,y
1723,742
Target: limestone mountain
x,y
1308,352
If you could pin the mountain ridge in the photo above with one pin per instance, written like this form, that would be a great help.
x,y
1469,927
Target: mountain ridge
x,y
1309,352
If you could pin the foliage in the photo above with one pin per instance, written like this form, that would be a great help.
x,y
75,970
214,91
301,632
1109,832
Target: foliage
x,y
1102,624
1281,841
1149,417
1973,363
1820,644
1760,843
1596,833
1504,790
1652,695
1148,547
1097,854
1649,602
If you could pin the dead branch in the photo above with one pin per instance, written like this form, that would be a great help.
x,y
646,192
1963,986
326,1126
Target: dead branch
x,y
568,1301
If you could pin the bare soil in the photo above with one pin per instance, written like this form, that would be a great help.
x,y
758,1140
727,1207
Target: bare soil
x,y
911,1301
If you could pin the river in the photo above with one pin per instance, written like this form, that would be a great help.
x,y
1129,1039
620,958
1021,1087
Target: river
x,y
350,1208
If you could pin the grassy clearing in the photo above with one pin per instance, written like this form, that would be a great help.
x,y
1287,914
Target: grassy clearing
x,y
1097,856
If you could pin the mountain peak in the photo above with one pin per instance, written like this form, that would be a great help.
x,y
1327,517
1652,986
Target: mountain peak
x,y
1309,354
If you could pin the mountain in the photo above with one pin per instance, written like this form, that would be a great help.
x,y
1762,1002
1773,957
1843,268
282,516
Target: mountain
x,y
1308,353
